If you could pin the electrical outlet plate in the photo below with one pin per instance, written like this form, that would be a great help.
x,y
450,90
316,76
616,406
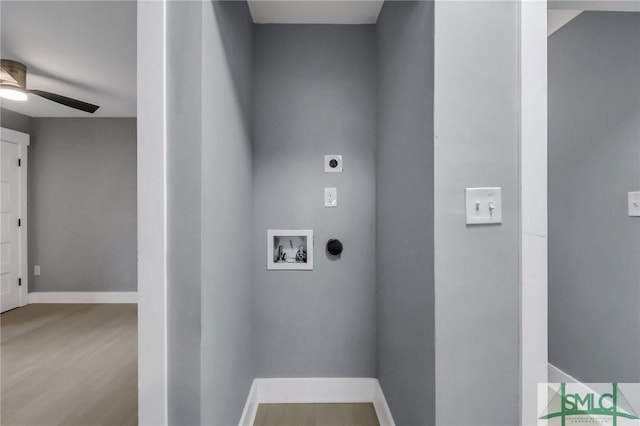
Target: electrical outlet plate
x,y
330,197
36,270
333,163
483,205
634,204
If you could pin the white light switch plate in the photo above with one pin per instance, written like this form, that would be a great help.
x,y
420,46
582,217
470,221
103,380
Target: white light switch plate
x,y
36,270
483,205
331,197
634,203
333,163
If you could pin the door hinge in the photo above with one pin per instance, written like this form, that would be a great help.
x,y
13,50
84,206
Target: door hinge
x,y
19,162
19,222
20,281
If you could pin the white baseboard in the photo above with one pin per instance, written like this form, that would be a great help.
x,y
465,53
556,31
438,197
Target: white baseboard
x,y
250,407
557,375
316,390
83,297
382,409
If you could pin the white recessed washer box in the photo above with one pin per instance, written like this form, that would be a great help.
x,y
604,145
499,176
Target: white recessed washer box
x,y
483,205
634,204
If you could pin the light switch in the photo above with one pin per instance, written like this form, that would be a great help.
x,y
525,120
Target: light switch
x,y
634,203
331,197
36,270
483,205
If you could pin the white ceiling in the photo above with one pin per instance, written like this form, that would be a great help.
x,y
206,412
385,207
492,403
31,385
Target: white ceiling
x,y
87,49
602,5
315,11
81,49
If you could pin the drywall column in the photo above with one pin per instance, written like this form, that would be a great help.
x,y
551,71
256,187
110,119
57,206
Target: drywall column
x,y
227,214
477,297
184,145
152,248
533,178
404,207
594,160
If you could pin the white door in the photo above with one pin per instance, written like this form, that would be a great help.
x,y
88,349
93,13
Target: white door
x,y
11,295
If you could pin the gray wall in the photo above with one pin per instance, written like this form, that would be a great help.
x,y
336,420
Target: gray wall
x,y
184,143
209,159
82,204
15,121
594,160
404,206
476,267
227,214
315,94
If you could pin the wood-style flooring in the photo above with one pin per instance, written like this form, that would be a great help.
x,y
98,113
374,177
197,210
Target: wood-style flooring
x,y
356,414
69,364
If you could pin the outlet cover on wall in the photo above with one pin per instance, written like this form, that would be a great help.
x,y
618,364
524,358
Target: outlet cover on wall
x,y
36,270
331,197
634,204
333,163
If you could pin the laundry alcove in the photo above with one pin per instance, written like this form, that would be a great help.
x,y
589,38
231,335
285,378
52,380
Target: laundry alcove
x,y
275,98
258,107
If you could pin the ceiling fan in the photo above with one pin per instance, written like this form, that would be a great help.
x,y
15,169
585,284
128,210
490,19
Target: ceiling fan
x,y
13,85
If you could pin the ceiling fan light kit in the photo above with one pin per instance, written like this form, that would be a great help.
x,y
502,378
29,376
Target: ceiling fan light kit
x,y
12,93
13,81
13,86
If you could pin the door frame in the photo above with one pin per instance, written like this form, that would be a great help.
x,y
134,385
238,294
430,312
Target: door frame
x,y
152,213
533,206
22,140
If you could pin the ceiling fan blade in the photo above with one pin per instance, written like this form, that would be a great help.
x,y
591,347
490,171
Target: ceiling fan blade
x,y
72,103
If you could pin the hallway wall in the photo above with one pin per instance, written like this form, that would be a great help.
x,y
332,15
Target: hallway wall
x,y
477,276
227,214
315,94
404,208
594,160
82,176
184,215
82,205
209,158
